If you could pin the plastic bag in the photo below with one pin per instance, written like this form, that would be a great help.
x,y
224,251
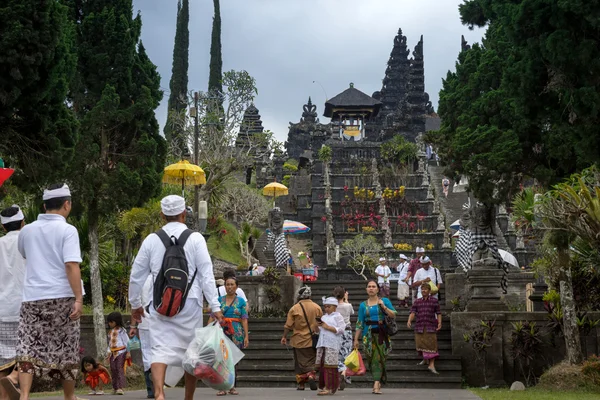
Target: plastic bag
x,y
211,357
352,361
134,344
434,288
361,366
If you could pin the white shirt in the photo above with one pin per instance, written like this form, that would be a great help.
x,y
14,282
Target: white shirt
x,y
12,274
149,261
346,310
147,294
383,270
328,338
239,292
48,244
122,340
403,271
432,273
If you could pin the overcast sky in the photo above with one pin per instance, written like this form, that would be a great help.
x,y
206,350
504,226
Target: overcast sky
x,y
287,44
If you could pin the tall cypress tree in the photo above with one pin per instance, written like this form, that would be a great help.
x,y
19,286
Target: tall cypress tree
x,y
37,130
216,59
179,78
121,154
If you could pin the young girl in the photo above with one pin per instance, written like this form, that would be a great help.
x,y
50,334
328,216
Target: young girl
x,y
117,353
332,327
346,311
94,375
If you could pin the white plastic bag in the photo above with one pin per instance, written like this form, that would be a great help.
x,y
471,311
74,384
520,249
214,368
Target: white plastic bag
x,y
211,357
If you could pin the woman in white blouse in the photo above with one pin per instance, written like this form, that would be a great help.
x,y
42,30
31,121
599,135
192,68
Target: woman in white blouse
x,y
331,326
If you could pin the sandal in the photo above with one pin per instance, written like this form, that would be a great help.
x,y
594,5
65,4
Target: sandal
x,y
433,371
222,393
300,386
312,383
324,393
233,392
377,389
10,388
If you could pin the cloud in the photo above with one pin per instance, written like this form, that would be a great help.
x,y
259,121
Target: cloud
x,y
288,44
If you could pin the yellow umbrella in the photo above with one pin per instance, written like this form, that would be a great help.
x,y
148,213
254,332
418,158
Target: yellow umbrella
x,y
275,189
184,172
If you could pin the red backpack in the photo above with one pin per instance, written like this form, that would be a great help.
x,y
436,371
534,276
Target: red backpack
x,y
172,284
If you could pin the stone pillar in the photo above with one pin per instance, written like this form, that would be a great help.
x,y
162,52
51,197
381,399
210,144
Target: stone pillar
x,y
485,291
539,288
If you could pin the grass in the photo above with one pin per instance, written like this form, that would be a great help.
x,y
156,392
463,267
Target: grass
x,y
227,248
534,394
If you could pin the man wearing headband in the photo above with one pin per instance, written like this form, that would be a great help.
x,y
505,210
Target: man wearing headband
x,y
52,296
413,267
12,273
172,335
427,274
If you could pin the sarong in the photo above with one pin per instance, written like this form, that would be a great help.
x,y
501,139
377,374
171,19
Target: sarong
x,y
426,344
8,344
384,289
146,348
304,363
48,340
376,347
327,363
403,291
345,349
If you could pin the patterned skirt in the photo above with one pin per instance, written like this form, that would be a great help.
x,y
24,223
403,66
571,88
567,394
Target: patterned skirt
x,y
345,349
8,344
426,344
48,339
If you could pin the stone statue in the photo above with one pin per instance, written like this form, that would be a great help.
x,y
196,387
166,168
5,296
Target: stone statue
x,y
430,192
446,244
276,221
441,220
436,207
484,240
276,239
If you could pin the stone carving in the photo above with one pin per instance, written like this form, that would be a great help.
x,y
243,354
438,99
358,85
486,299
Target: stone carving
x,y
446,244
511,225
421,168
430,192
441,220
482,218
276,221
520,245
501,210
436,207
276,243
307,134
387,232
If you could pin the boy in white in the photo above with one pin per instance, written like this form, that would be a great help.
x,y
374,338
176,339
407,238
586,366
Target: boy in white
x,y
383,273
403,288
427,273
331,327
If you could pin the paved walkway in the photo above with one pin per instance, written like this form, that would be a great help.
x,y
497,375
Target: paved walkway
x,y
291,394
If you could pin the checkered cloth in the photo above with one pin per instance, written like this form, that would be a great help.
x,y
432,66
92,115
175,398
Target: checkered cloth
x,y
280,249
480,240
462,250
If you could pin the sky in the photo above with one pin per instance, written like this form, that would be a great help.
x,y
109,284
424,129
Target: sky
x,y
286,45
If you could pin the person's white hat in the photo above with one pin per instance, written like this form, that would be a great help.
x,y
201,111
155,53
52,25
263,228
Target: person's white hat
x,y
172,205
220,282
425,260
17,217
402,256
381,258
56,193
419,250
330,301
254,265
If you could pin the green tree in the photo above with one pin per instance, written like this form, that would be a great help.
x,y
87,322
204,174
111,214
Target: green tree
x,y
121,154
520,104
216,59
37,130
399,150
179,80
363,251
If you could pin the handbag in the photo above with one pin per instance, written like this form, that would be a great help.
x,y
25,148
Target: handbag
x,y
314,336
433,286
389,323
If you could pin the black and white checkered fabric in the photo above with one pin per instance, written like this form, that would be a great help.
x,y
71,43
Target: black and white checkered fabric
x,y
280,249
480,240
463,248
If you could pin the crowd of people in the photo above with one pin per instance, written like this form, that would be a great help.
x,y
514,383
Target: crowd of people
x,y
39,335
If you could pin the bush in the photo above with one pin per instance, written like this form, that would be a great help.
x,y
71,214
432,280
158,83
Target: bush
x,y
564,376
290,167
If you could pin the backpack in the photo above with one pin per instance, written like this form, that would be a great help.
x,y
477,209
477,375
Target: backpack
x,y
171,286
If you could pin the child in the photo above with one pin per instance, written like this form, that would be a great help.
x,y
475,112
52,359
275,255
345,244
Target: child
x,y
346,310
117,353
94,375
403,281
331,327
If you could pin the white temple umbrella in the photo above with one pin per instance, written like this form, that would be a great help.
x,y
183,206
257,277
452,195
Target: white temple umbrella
x,y
509,258
455,224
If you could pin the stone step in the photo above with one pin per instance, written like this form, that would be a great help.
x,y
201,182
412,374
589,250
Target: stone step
x,y
266,336
400,345
428,381
286,353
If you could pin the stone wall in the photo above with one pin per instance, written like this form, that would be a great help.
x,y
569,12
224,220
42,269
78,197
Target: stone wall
x,y
501,369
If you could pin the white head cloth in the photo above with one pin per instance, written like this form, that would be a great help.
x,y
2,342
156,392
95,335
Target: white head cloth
x,y
402,256
425,260
172,205
55,193
17,217
330,301
420,250
381,259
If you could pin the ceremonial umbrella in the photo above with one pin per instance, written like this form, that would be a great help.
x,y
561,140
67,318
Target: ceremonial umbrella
x,y
455,224
509,258
183,172
275,189
292,227
5,173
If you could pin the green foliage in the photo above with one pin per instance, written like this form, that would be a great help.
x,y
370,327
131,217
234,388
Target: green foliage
x,y
363,251
287,167
591,369
286,180
398,151
523,208
292,161
271,277
227,248
325,153
179,78
526,344
520,105
37,130
480,340
216,59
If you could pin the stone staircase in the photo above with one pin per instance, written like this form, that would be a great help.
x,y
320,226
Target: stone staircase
x,y
451,205
269,364
266,259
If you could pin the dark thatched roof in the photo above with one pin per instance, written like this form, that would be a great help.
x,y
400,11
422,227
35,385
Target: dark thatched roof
x,y
352,98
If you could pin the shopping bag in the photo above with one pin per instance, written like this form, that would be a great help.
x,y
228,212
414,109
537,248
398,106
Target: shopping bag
x,y
211,357
134,344
434,288
352,361
361,367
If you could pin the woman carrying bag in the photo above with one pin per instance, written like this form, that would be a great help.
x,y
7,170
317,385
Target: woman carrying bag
x,y
371,328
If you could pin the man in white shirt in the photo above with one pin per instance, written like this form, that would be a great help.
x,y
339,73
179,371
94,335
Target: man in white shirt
x,y
12,273
170,336
52,297
383,273
403,281
427,273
